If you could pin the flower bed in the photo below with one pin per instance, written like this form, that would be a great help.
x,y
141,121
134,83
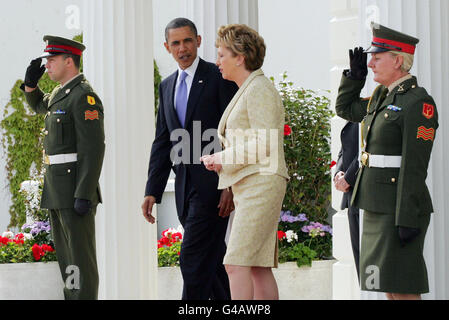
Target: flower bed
x,y
32,245
169,247
303,241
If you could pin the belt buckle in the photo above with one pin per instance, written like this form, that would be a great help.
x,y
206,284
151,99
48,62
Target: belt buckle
x,y
365,159
46,159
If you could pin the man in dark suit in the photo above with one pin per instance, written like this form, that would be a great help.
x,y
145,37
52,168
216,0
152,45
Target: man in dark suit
x,y
345,178
192,101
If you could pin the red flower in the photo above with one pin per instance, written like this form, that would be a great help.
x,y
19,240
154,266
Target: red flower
x,y
4,240
287,130
37,252
19,236
281,235
177,236
333,163
46,247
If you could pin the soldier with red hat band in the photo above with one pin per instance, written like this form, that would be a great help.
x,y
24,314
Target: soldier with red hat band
x,y
73,155
399,122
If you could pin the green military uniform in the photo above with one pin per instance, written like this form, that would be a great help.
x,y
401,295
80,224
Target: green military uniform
x,y
398,130
73,153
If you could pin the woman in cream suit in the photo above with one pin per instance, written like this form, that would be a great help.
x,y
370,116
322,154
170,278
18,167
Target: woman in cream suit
x,y
252,163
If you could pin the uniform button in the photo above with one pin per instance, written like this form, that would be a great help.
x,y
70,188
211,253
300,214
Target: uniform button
x,y
386,115
393,180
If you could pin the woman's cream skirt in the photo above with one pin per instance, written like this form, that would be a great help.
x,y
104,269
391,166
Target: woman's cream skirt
x,y
253,239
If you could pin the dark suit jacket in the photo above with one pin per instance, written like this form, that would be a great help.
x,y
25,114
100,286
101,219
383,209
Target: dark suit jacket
x,y
208,98
348,158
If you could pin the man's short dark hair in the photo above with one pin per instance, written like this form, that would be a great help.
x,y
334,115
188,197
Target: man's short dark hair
x,y
76,59
180,23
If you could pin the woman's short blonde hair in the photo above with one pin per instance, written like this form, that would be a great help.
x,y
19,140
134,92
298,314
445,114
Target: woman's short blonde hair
x,y
408,60
243,40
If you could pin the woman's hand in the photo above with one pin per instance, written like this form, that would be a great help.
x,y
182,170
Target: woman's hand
x,y
212,162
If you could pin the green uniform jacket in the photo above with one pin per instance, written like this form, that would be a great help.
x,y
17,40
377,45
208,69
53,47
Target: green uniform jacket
x,y
73,124
402,123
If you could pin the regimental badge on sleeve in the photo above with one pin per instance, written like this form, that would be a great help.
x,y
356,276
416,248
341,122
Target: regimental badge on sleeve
x,y
428,110
426,134
91,100
91,115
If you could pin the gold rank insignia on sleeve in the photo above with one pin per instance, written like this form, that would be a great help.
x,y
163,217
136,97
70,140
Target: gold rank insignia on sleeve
x,y
91,100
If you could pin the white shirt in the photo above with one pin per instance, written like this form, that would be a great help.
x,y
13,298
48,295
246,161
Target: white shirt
x,y
70,80
189,78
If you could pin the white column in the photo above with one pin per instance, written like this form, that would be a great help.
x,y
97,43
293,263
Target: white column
x,y
209,15
428,21
118,62
344,35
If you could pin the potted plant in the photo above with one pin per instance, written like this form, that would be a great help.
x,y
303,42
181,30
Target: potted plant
x,y
169,274
305,238
28,266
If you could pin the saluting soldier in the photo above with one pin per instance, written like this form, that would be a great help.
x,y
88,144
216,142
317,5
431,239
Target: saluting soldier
x,y
399,122
73,155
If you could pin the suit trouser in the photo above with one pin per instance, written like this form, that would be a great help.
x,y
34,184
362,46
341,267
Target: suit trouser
x,y
202,252
74,238
354,230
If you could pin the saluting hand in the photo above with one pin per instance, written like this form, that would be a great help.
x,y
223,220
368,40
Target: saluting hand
x,y
34,73
358,62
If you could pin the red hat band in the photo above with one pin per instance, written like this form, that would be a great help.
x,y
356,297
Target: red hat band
x,y
394,45
62,49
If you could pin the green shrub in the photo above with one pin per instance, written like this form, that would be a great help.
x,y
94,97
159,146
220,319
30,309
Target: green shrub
x,y
307,150
303,233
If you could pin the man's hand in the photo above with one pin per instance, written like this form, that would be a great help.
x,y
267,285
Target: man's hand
x,y
212,162
82,206
358,63
338,176
34,73
340,183
147,208
407,234
226,204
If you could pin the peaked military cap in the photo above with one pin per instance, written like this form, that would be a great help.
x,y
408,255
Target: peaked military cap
x,y
386,39
59,45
